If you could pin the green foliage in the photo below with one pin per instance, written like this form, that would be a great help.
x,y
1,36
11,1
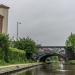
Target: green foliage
x,y
16,55
26,44
4,46
26,47
70,62
70,42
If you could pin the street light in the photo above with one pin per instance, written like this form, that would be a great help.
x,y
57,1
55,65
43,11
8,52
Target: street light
x,y
17,29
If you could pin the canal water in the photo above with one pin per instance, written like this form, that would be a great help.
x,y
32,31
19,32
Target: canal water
x,y
49,69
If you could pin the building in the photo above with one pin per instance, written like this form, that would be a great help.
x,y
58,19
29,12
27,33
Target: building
x,y
3,18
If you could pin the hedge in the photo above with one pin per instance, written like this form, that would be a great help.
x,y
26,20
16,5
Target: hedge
x,y
16,55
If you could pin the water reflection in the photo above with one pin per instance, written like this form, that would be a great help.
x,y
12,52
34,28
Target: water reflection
x,y
26,73
49,69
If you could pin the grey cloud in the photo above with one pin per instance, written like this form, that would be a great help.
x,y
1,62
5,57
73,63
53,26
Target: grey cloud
x,y
48,22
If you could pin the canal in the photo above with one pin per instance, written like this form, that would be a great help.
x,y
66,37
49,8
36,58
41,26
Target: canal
x,y
49,69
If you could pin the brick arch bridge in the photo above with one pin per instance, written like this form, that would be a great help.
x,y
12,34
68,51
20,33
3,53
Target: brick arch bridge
x,y
47,51
42,58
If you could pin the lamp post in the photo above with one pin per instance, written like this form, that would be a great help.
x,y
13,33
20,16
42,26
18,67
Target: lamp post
x,y
17,30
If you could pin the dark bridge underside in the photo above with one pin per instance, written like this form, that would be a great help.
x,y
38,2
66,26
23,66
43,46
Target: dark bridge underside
x,y
43,58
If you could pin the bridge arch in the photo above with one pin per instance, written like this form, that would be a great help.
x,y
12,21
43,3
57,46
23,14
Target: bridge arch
x,y
42,58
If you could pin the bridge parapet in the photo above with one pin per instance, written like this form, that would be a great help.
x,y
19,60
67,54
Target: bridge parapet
x,y
51,46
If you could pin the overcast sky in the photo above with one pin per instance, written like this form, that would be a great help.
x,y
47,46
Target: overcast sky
x,y
48,22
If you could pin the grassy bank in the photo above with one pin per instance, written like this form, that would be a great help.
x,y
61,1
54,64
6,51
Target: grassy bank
x,y
3,63
70,62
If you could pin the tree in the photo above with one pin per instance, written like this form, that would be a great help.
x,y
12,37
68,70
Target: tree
x,y
70,42
70,47
26,44
4,46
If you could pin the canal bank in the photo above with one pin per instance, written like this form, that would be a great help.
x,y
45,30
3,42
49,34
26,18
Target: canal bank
x,y
6,70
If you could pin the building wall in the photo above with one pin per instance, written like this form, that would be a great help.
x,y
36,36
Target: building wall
x,y
4,13
1,23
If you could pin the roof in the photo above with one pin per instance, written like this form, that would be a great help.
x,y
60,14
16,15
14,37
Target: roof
x,y
4,6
